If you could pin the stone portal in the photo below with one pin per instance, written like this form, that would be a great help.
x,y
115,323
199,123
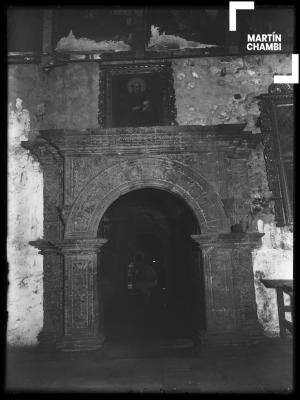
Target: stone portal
x,y
88,170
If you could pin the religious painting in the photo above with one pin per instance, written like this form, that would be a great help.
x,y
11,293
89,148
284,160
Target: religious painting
x,y
139,95
137,101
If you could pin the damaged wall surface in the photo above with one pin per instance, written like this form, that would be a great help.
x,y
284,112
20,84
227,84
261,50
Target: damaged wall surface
x,y
217,90
274,260
67,97
209,91
25,223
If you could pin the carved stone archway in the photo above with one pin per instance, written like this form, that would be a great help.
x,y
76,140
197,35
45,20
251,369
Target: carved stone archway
x,y
85,172
160,173
80,245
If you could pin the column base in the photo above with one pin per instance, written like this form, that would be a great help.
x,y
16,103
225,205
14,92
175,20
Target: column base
x,y
232,338
47,341
87,343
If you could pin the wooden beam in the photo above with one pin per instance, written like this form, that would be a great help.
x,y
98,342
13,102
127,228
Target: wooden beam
x,y
47,32
138,33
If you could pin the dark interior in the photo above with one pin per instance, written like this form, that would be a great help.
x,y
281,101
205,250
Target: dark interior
x,y
157,225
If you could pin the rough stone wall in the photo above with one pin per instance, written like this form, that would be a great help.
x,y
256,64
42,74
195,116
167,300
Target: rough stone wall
x,y
223,90
64,97
26,82
52,165
25,223
71,98
217,90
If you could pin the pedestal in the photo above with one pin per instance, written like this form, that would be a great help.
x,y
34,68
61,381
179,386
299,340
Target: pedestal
x,y
230,305
83,316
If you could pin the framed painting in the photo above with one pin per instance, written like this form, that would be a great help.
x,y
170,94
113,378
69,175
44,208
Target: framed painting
x,y
136,95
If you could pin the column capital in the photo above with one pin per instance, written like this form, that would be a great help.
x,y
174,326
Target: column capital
x,y
228,240
44,246
40,149
69,246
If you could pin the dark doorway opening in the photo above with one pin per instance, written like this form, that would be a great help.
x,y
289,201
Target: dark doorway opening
x,y
150,227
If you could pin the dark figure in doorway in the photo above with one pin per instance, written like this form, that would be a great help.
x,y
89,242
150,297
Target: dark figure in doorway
x,y
144,276
144,280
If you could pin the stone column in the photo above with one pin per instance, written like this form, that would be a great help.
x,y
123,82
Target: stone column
x,y
230,305
83,315
53,293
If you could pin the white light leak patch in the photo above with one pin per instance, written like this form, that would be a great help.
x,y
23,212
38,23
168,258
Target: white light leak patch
x,y
25,223
260,226
172,42
290,79
274,260
70,43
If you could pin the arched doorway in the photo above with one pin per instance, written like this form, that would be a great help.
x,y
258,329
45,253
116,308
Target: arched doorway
x,y
154,226
230,308
92,182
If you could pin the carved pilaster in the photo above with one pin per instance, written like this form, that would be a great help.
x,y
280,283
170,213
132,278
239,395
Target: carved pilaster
x,y
101,98
64,212
82,305
229,285
270,158
83,316
52,292
280,95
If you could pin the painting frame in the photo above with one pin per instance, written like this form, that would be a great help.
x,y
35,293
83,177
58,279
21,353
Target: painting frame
x,y
109,72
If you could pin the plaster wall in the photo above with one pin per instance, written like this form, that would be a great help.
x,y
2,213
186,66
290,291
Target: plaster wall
x,y
64,97
25,223
217,90
71,99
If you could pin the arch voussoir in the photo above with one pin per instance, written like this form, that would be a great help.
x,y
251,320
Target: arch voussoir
x,y
155,172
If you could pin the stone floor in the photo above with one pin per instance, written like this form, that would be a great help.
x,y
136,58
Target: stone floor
x,y
260,368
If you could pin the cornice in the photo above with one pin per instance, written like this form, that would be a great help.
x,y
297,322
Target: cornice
x,y
229,138
229,240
